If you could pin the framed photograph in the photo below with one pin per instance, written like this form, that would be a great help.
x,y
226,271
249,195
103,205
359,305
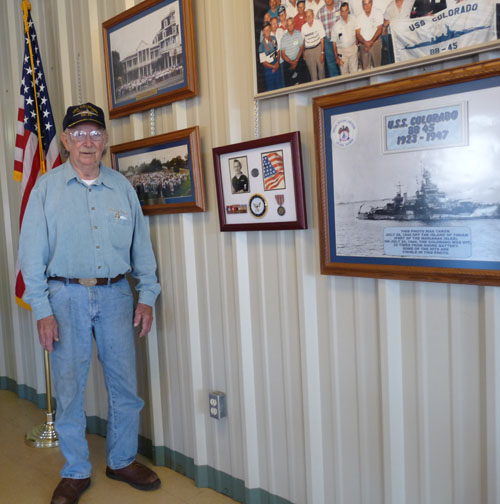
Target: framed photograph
x,y
150,56
260,184
301,44
408,179
165,171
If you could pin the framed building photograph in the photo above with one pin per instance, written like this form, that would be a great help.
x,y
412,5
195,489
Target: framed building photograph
x,y
150,56
408,179
165,171
301,44
260,184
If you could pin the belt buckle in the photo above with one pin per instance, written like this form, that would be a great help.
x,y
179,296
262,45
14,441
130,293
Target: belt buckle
x,y
87,282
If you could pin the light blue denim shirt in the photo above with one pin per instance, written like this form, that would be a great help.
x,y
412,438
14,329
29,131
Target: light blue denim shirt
x,y
75,231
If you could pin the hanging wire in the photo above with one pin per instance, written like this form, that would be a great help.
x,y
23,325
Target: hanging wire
x,y
152,122
256,118
79,78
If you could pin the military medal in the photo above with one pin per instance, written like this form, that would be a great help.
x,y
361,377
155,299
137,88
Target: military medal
x,y
236,209
257,205
280,199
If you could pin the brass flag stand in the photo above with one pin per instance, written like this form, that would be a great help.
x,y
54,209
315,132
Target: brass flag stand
x,y
43,435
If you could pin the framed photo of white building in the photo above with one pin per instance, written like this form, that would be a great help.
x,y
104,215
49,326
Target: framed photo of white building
x,y
150,56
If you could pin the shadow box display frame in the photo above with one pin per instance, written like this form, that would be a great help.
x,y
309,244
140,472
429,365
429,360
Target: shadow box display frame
x,y
260,185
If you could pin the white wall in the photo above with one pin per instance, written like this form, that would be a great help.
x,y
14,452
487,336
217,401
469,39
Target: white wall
x,y
340,390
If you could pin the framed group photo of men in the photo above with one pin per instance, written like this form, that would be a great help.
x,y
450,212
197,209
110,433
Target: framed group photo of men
x,y
305,43
165,171
260,184
408,178
150,56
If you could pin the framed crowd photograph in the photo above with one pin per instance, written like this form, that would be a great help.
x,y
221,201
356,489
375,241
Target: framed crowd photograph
x,y
150,56
408,184
260,184
165,171
302,43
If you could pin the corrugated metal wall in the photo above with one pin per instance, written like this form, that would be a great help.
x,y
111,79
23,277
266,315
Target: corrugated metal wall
x,y
340,390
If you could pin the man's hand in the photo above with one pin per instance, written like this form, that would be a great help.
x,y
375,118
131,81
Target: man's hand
x,y
47,332
144,314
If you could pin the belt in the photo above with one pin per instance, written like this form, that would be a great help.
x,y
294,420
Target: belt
x,y
88,282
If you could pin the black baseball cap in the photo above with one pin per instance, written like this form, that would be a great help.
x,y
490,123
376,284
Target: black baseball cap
x,y
86,112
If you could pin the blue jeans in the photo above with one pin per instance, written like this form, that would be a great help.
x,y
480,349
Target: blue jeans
x,y
331,64
274,80
105,312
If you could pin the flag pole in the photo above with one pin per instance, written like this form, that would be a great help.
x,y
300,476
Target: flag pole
x,y
43,435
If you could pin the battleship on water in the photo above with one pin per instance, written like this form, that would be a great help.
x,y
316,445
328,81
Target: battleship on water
x,y
429,204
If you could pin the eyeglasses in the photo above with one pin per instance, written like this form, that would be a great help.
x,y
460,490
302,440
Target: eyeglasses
x,y
81,136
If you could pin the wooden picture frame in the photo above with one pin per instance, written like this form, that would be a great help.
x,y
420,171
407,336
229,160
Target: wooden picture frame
x,y
423,33
260,184
165,170
407,178
150,56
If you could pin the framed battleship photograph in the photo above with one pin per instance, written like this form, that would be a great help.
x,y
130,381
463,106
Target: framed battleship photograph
x,y
408,178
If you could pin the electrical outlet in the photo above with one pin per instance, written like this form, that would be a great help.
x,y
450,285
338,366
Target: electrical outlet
x,y
217,404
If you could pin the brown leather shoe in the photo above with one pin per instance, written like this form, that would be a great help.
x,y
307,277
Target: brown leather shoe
x,y
69,490
137,475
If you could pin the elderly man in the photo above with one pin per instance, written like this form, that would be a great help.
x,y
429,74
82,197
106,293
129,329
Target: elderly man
x,y
369,26
292,49
314,42
300,18
344,41
270,59
396,9
273,8
282,17
83,231
329,15
276,31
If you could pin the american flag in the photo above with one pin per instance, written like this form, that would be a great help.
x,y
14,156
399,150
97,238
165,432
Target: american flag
x,y
274,173
32,115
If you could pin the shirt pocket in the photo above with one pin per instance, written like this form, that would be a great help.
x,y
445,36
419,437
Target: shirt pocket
x,y
120,230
